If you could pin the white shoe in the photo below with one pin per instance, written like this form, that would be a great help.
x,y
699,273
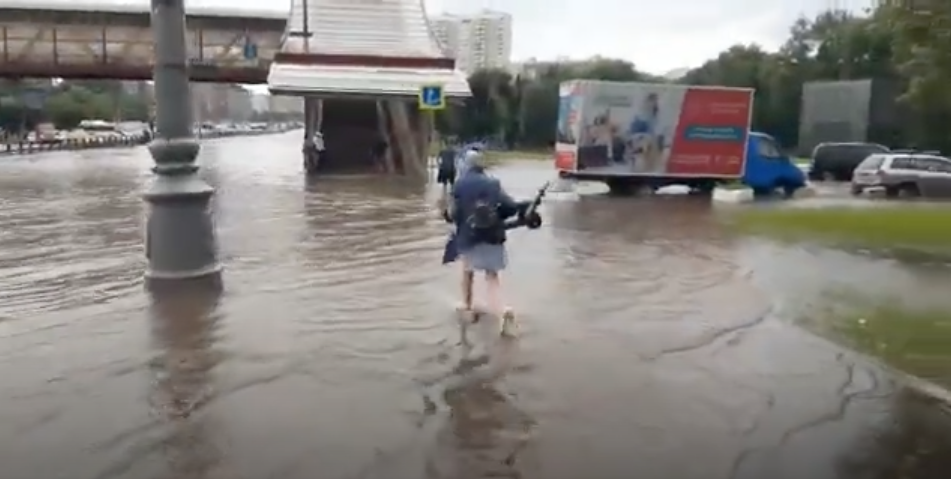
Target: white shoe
x,y
509,328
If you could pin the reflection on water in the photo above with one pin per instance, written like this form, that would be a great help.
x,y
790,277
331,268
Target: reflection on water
x,y
891,309
898,447
334,351
184,333
482,431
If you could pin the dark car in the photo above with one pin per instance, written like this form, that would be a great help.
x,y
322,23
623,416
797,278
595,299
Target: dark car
x,y
837,161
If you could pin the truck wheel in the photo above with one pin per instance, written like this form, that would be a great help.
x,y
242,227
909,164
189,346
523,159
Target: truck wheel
x,y
856,190
703,188
789,191
621,187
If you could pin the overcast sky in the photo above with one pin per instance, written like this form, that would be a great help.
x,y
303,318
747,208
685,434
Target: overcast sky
x,y
657,35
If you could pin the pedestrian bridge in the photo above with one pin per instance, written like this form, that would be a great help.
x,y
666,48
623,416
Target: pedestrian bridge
x,y
359,63
90,40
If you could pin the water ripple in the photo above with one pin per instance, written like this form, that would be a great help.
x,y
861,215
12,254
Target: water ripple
x,y
335,350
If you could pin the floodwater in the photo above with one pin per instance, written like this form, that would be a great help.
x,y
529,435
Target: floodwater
x,y
650,342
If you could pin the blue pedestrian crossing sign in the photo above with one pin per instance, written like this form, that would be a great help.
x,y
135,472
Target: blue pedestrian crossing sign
x,y
250,49
431,98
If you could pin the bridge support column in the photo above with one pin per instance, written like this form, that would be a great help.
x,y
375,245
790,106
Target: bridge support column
x,y
180,236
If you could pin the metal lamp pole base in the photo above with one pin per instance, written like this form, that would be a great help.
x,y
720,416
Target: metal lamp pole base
x,y
180,235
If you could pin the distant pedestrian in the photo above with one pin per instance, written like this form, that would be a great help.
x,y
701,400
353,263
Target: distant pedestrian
x,y
319,142
378,154
446,167
313,152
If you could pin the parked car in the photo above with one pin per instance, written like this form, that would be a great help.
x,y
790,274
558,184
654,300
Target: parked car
x,y
79,135
902,174
837,161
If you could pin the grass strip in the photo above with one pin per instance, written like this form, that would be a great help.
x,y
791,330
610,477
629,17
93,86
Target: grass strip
x,y
915,227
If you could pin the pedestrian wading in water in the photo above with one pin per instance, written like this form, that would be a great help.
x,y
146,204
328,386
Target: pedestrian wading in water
x,y
482,212
446,167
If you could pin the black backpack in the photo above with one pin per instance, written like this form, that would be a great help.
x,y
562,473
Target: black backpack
x,y
485,223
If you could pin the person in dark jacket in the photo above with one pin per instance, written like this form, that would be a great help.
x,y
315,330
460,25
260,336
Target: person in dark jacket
x,y
378,153
479,209
446,167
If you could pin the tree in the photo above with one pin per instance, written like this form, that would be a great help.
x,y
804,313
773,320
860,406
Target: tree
x,y
907,47
922,53
65,111
67,104
12,114
521,110
835,45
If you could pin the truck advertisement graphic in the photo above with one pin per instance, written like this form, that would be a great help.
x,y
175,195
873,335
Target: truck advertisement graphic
x,y
569,125
639,129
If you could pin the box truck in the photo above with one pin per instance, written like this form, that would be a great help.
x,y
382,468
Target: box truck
x,y
636,135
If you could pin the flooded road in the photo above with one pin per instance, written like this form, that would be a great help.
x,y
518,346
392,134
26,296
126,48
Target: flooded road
x,y
649,344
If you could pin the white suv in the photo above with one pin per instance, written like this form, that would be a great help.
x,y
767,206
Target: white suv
x,y
908,174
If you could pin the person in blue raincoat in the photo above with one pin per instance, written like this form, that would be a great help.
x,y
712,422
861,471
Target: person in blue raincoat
x,y
479,209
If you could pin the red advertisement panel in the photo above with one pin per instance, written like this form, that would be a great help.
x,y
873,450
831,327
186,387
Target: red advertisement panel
x,y
711,133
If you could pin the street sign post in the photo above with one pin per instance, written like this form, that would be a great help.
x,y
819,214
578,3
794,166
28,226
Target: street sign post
x,y
431,98
250,49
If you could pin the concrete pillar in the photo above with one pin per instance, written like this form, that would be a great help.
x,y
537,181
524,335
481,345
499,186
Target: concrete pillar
x,y
180,237
405,132
384,132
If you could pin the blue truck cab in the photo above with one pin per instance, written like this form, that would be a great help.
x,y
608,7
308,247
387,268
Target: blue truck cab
x,y
768,168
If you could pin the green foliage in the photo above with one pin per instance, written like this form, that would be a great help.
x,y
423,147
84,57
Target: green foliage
x,y
910,228
69,103
908,335
835,45
910,48
522,111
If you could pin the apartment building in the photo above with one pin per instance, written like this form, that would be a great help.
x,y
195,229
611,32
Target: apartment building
x,y
478,41
240,106
533,67
221,102
285,104
912,4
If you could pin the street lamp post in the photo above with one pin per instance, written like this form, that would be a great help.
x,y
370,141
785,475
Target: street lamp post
x,y
180,239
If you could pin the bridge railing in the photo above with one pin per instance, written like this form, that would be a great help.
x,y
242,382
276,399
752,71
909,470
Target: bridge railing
x,y
22,147
124,52
15,146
